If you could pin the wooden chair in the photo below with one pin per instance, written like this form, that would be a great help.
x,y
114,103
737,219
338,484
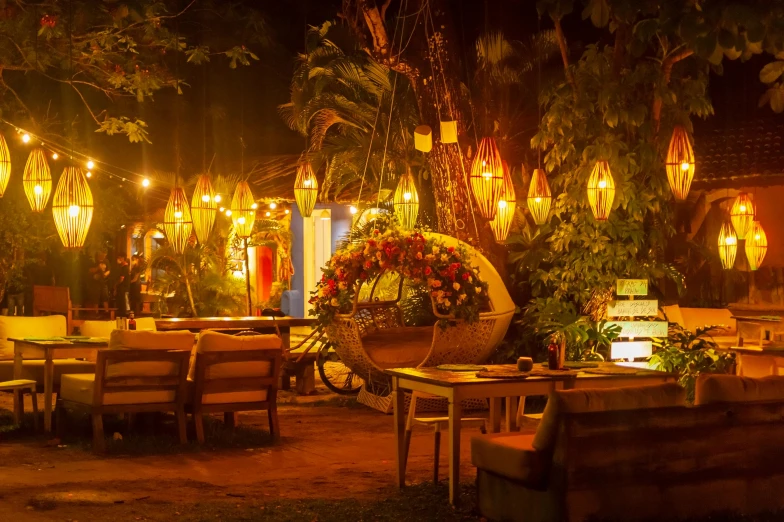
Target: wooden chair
x,y
48,300
235,373
438,424
19,386
128,381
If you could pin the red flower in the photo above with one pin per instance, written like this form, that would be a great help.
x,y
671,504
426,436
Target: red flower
x,y
363,275
466,275
428,270
450,249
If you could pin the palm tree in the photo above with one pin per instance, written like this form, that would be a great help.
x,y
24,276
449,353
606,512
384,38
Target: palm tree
x,y
341,101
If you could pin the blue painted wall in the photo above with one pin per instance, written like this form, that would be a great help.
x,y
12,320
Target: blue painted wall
x,y
341,224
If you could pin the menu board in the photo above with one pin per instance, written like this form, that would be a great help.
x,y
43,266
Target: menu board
x,y
641,328
631,287
638,308
631,349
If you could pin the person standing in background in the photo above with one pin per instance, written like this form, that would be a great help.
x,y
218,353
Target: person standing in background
x,y
121,286
135,284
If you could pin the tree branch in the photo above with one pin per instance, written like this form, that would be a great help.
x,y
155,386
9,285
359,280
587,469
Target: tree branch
x,y
667,64
384,8
564,54
619,49
375,23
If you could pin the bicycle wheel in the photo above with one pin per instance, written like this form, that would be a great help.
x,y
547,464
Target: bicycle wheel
x,y
335,375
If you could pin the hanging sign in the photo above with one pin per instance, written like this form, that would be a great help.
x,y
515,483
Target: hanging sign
x,y
631,349
639,308
641,328
631,287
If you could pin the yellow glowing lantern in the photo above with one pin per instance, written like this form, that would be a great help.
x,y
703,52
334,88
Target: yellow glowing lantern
x,y
72,208
487,177
204,208
756,245
406,201
305,189
680,163
504,215
242,213
601,190
742,214
539,197
37,180
177,220
5,165
728,246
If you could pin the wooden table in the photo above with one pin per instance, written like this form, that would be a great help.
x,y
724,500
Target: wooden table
x,y
302,367
764,324
48,351
457,386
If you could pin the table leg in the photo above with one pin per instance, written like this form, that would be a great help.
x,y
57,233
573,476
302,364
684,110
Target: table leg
x,y
48,385
18,395
399,405
454,447
511,413
495,414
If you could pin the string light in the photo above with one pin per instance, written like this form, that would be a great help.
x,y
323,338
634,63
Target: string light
x,y
89,174
217,198
272,205
26,138
351,209
90,164
5,165
267,214
55,155
145,183
286,211
228,213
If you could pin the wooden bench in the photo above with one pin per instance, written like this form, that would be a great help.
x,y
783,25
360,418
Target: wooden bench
x,y
643,464
56,300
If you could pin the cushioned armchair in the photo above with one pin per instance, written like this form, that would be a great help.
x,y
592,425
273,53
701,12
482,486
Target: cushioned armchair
x,y
235,373
139,372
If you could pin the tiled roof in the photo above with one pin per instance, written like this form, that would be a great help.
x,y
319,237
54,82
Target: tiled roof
x,y
749,151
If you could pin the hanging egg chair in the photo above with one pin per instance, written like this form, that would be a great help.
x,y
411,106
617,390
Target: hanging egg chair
x,y
372,336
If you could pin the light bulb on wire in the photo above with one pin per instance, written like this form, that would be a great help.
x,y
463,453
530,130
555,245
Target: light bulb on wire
x,y
55,155
26,138
273,205
90,164
145,183
89,174
217,199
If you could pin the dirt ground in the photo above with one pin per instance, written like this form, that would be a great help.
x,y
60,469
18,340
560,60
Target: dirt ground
x,y
329,449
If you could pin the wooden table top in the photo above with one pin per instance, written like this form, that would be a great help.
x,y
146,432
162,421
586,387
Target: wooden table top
x,y
64,343
756,319
203,323
453,378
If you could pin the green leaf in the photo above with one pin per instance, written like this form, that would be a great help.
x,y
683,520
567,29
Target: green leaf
x,y
771,72
598,11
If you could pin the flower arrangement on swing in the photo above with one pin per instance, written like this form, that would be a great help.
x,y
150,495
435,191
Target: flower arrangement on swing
x,y
455,287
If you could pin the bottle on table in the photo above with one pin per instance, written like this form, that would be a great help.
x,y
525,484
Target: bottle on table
x,y
553,357
131,322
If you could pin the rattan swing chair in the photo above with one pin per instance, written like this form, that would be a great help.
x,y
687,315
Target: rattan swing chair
x,y
373,337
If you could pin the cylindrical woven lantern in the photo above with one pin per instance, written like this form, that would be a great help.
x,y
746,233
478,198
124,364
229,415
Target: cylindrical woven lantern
x,y
601,190
204,208
407,201
680,163
305,189
72,208
37,180
756,245
177,222
243,210
539,197
742,214
728,246
504,215
487,177
5,165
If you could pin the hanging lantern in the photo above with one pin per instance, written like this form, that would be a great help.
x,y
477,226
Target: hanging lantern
x,y
504,215
177,220
742,214
728,246
680,163
305,189
756,245
407,201
243,210
487,177
601,190
37,180
539,197
204,208
72,207
5,165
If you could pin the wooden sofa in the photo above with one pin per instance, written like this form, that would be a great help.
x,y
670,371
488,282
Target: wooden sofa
x,y
617,455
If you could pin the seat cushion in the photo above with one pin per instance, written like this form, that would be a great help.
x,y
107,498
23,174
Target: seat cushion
x,y
606,399
20,327
404,347
694,318
220,342
712,389
34,369
511,455
752,365
146,340
227,397
80,388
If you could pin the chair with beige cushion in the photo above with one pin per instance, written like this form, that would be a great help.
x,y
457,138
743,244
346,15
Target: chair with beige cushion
x,y
20,327
141,371
716,389
235,373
